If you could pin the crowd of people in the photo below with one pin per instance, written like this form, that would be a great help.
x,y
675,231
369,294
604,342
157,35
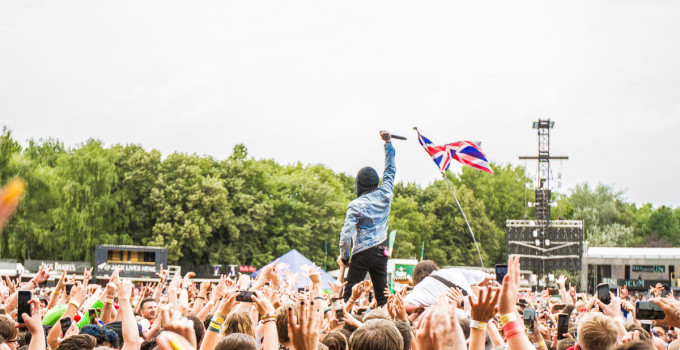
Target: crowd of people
x,y
445,309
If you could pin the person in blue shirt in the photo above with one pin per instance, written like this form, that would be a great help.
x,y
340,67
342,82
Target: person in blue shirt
x,y
366,227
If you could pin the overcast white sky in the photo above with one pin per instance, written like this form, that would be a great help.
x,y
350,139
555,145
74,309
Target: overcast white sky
x,y
314,81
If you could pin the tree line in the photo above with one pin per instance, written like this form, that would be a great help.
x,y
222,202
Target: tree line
x,y
242,210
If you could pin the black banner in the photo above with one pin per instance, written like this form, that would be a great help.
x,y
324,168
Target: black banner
x,y
68,266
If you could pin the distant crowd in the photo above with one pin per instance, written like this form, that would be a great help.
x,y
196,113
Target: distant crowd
x,y
444,309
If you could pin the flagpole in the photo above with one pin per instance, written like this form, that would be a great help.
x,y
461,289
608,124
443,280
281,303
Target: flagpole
x,y
464,217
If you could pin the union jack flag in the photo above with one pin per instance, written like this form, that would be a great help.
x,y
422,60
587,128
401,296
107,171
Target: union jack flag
x,y
466,152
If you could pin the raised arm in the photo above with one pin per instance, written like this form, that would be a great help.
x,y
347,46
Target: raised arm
x,y
131,339
390,167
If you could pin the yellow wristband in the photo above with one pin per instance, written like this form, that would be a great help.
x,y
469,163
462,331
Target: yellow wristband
x,y
56,292
75,303
507,318
477,324
218,318
539,344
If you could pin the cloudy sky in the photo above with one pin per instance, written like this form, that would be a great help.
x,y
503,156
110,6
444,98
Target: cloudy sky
x,y
314,81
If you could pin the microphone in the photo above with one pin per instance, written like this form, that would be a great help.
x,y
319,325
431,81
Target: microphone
x,y
397,137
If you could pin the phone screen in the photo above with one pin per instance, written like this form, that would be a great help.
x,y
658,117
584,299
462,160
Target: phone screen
x,y
562,325
68,287
501,271
23,306
65,324
603,293
529,317
245,296
340,315
646,310
92,314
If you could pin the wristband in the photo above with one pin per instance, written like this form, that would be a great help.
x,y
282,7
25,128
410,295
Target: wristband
x,y
477,324
539,344
512,329
218,318
507,318
215,327
269,320
108,301
75,303
56,292
268,317
351,300
319,298
200,297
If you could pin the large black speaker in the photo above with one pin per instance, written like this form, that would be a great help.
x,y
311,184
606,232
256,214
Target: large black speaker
x,y
552,245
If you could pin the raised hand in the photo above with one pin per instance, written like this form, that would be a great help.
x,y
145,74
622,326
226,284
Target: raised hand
x,y
357,290
228,301
341,263
314,275
42,275
187,279
173,321
111,290
336,287
671,309
455,296
510,289
62,282
34,321
385,136
305,334
400,307
262,304
485,308
87,274
78,293
368,286
561,281
124,289
163,275
204,289
439,328
613,309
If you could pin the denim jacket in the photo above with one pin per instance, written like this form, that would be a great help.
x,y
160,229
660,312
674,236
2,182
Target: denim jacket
x,y
366,220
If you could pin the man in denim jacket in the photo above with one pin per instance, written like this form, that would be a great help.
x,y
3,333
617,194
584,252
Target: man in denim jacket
x,y
366,226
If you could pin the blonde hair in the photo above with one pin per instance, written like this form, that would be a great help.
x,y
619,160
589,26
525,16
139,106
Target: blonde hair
x,y
596,331
238,322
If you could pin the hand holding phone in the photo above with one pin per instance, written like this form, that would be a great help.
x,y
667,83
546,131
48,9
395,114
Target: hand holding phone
x,y
501,271
562,325
603,293
245,296
23,307
529,319
647,310
65,324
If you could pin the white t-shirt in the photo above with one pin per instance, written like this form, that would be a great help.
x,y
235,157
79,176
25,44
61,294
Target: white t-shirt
x,y
429,289
146,324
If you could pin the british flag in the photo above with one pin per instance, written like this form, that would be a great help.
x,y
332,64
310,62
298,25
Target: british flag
x,y
466,152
